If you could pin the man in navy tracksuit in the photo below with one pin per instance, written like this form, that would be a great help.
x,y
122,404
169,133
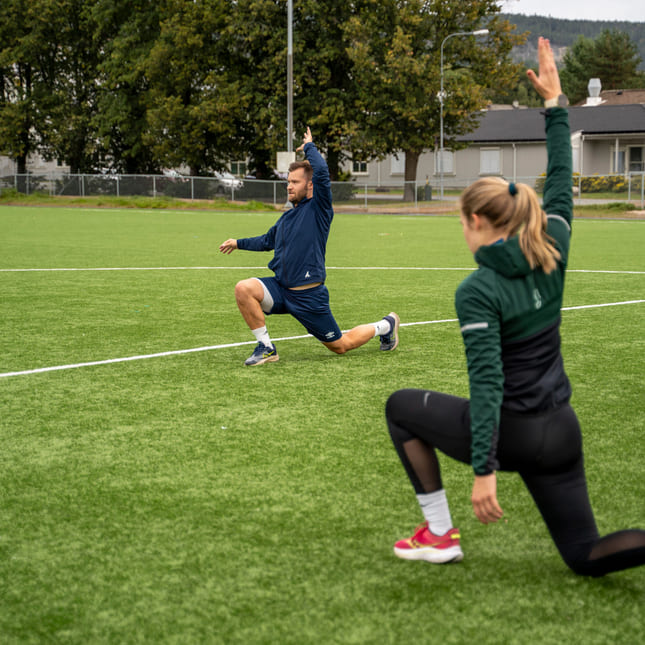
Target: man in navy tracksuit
x,y
299,241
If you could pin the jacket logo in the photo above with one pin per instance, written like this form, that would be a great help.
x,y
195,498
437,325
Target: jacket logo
x,y
537,299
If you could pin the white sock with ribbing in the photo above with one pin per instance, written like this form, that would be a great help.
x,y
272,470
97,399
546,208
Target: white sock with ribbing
x,y
381,327
436,511
262,336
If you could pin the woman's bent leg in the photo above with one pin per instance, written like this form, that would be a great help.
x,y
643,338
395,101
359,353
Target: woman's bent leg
x,y
420,421
563,501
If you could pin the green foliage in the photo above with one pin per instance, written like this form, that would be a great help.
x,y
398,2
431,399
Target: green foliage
x,y
257,58
521,90
188,499
136,85
612,57
126,32
597,183
18,56
194,96
396,50
608,209
563,33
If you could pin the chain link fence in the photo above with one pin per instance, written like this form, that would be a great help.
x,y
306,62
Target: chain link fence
x,y
587,189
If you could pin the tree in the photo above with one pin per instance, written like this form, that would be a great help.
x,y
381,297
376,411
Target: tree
x,y
612,57
325,93
17,107
67,88
126,32
395,47
256,37
194,99
521,91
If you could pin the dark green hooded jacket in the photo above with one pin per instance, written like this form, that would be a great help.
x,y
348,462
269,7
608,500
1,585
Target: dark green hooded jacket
x,y
510,315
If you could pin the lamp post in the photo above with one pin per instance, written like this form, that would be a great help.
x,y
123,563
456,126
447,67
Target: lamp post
x,y
290,76
442,96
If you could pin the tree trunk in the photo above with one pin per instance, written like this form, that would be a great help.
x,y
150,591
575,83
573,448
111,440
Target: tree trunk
x,y
332,163
411,161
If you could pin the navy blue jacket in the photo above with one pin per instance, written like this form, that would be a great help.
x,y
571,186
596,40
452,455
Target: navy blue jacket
x,y
299,238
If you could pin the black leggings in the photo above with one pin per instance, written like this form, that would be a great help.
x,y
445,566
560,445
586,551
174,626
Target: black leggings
x,y
546,451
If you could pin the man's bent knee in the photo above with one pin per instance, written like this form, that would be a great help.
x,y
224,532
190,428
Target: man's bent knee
x,y
249,289
338,346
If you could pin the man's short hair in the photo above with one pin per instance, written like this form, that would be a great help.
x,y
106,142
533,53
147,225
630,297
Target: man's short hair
x,y
305,165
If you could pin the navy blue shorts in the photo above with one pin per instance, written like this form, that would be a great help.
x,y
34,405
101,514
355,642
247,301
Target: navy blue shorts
x,y
310,307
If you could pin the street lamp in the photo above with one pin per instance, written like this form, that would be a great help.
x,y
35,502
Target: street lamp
x,y
290,76
442,96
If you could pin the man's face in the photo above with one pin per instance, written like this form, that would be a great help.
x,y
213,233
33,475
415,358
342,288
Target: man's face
x,y
298,186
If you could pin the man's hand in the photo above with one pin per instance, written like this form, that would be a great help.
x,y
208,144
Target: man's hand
x,y
484,498
306,139
547,84
228,247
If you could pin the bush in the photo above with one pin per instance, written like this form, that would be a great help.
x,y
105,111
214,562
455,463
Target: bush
x,y
596,183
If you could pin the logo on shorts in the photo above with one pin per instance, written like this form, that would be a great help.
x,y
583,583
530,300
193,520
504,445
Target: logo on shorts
x,y
329,334
307,275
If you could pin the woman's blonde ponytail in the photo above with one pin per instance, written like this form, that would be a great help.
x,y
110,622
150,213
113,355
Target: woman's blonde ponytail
x,y
515,208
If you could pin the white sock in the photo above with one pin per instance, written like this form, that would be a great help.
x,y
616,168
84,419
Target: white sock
x,y
381,327
262,336
435,509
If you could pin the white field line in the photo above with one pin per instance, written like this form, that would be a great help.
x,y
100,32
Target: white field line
x,y
177,352
236,268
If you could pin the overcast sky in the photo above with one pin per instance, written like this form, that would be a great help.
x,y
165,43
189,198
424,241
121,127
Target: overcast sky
x,y
632,10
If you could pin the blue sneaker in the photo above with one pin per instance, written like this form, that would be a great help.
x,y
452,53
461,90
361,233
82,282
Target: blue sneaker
x,y
390,340
262,354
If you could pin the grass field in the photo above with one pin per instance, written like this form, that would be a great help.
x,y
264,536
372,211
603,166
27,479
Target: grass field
x,y
185,498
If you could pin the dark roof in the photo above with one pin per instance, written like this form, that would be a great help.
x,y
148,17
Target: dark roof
x,y
528,124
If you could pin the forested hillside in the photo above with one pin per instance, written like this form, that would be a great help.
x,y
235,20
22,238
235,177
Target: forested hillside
x,y
563,33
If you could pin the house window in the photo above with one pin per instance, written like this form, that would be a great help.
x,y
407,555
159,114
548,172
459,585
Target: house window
x,y
636,159
238,168
448,162
359,167
490,161
617,162
397,164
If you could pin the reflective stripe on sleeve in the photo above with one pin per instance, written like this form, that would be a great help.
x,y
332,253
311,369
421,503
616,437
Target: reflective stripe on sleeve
x,y
471,326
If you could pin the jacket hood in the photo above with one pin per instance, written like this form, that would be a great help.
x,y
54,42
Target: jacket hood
x,y
505,258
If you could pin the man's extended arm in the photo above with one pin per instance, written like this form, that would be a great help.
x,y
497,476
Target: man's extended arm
x,y
321,179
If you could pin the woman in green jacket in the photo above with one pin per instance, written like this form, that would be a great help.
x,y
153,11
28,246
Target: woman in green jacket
x,y
518,417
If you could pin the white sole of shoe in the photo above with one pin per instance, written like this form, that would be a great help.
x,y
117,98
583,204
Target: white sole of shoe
x,y
270,359
436,556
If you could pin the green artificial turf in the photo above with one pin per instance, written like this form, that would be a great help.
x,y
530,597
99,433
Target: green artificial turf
x,y
187,498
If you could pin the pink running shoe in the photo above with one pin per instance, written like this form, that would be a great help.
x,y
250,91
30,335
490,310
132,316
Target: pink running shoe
x,y
424,545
